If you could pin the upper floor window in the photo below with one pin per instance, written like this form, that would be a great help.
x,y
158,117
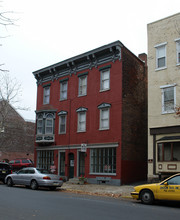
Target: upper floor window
x,y
82,84
81,126
63,89
105,77
49,124
62,122
168,98
104,116
46,94
160,56
178,50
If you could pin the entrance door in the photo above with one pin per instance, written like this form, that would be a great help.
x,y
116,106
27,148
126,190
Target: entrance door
x,y
82,163
62,164
71,165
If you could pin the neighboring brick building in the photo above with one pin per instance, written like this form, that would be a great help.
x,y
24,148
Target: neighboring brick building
x,y
91,116
163,96
16,135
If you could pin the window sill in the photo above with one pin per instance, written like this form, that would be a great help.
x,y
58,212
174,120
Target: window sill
x,y
103,174
103,129
170,112
161,68
104,90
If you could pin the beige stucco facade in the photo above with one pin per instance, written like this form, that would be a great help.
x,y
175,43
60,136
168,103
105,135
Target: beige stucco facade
x,y
163,124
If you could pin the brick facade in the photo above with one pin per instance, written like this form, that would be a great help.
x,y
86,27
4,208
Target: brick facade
x,y
122,146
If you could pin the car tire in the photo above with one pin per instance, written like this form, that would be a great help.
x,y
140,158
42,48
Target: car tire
x,y
34,185
147,197
9,182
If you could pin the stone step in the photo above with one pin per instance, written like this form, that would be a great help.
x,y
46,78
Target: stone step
x,y
74,180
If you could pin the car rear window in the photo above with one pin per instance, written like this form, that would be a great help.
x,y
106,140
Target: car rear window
x,y
42,171
5,166
25,161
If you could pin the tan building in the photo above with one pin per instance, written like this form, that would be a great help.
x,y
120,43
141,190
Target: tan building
x,y
163,96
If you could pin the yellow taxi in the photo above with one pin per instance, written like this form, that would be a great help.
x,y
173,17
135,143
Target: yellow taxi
x,y
169,189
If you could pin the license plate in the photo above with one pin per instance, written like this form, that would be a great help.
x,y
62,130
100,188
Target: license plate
x,y
3,171
55,184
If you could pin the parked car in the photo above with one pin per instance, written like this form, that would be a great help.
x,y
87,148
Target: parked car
x,y
18,164
34,178
169,189
5,169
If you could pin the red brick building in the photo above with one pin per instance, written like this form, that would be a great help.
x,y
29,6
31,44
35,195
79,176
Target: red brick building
x,y
91,116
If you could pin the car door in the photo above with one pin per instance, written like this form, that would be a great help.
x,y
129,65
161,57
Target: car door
x,y
170,189
18,177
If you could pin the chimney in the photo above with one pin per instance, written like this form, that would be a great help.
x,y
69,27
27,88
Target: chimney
x,y
143,57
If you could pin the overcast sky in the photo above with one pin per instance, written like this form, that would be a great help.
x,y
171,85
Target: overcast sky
x,y
50,31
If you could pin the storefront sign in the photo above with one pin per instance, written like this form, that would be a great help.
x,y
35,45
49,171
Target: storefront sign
x,y
83,147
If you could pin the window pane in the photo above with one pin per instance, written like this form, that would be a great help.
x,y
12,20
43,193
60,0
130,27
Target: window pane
x,y
104,123
105,79
63,91
49,126
160,152
176,151
167,151
39,126
83,85
169,99
161,56
62,124
103,160
46,95
161,62
81,121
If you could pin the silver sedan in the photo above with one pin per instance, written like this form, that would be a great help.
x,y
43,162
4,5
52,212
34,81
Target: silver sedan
x,y
33,178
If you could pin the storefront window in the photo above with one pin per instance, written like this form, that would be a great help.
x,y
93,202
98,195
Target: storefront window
x,y
45,159
103,160
169,151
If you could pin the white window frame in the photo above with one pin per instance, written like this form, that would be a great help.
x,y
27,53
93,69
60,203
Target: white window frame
x,y
63,92
178,51
80,122
102,81
46,95
46,126
163,45
82,88
101,119
38,126
60,123
163,90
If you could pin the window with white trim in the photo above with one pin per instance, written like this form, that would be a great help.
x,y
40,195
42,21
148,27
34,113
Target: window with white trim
x,y
40,124
63,90
160,56
103,160
105,80
83,85
104,116
62,124
178,50
81,121
49,124
46,95
168,98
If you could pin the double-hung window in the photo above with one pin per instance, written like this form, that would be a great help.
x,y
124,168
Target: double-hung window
x,y
161,56
104,116
46,94
82,84
81,125
178,50
49,124
63,89
168,98
105,79
40,125
62,122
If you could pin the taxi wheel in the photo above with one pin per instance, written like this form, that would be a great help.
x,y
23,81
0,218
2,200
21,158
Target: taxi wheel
x,y
147,197
34,185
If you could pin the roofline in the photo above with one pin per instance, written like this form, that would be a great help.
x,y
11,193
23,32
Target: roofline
x,y
116,43
164,18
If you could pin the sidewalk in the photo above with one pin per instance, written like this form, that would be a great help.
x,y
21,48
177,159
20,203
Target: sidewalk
x,y
99,190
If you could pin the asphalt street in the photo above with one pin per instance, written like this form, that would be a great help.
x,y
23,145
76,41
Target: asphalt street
x,y
21,203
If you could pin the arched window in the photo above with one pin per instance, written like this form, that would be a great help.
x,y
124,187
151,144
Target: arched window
x,y
40,124
49,124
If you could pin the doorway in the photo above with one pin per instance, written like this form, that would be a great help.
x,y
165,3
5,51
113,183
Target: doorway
x,y
71,165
